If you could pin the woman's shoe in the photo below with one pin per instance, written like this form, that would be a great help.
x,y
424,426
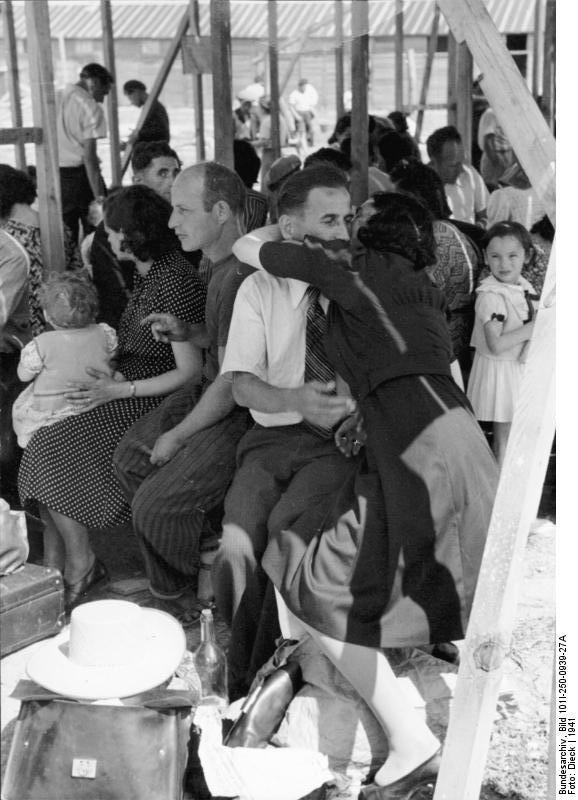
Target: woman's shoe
x,y
405,788
74,592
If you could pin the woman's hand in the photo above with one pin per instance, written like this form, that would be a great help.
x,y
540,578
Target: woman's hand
x,y
167,328
90,394
351,435
166,446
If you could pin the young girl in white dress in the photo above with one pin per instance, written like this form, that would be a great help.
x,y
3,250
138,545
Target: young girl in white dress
x,y
505,315
63,355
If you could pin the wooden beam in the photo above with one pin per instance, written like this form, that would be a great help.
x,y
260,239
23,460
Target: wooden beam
x,y
549,73
399,55
301,42
452,80
339,74
359,116
222,100
112,97
464,82
44,115
508,95
13,81
20,136
195,27
493,613
274,77
432,44
160,81
538,48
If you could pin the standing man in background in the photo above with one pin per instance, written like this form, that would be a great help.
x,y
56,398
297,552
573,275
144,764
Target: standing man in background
x,y
303,102
80,122
156,126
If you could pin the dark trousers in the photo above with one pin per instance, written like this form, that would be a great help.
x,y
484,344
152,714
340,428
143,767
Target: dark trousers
x,y
170,503
281,473
77,195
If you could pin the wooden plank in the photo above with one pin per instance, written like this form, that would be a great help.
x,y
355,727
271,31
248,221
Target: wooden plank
x,y
274,77
195,29
399,55
21,136
508,95
339,73
359,84
464,81
452,80
112,97
493,613
549,69
222,100
432,44
301,43
538,48
44,115
157,86
13,81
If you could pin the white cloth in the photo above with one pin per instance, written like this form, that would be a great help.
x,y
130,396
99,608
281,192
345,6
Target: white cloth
x,y
468,196
305,100
78,118
515,205
267,336
14,309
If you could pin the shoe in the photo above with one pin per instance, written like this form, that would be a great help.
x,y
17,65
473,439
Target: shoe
x,y
405,788
74,592
265,707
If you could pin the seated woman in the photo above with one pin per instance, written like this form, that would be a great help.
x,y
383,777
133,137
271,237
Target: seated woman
x,y
399,568
18,218
67,467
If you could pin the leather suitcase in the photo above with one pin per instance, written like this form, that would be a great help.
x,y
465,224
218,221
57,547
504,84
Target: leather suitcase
x,y
31,606
65,750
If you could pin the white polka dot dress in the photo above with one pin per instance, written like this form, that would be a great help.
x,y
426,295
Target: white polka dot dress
x,y
68,466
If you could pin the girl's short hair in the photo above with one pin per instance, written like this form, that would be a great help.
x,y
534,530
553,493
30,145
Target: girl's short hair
x,y
142,216
69,299
400,225
15,187
515,229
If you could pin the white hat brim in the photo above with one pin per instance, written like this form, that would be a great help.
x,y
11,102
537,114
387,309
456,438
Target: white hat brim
x,y
51,667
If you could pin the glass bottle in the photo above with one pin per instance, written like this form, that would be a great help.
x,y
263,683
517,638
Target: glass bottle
x,y
211,664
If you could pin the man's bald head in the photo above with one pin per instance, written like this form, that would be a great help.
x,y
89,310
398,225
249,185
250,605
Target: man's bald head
x,y
219,184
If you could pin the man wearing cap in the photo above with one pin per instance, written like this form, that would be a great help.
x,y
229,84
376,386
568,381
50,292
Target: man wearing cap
x,y
156,127
80,122
303,102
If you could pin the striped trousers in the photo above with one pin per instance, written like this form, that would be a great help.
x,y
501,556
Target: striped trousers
x,y
170,503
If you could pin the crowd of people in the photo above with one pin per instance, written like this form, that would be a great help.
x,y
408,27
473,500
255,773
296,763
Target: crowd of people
x,y
281,393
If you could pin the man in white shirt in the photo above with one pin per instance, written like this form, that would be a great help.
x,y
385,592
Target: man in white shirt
x,y
80,122
465,190
286,469
303,102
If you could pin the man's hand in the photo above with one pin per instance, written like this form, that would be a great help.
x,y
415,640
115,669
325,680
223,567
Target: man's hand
x,y
351,436
167,328
166,446
317,405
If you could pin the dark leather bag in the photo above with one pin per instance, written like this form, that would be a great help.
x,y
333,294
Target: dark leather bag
x,y
66,750
31,606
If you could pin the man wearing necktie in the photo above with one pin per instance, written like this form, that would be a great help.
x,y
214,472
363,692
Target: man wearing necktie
x,y
289,468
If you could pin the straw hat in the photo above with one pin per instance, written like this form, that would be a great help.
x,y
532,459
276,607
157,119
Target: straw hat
x,y
112,648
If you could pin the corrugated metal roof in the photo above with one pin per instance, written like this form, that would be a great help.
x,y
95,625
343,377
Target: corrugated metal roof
x,y
159,19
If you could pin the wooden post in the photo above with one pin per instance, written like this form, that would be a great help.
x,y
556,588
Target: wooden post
x,y
508,94
44,114
339,82
14,81
538,48
432,44
195,28
452,80
222,102
549,74
274,77
112,98
399,55
159,83
359,117
464,81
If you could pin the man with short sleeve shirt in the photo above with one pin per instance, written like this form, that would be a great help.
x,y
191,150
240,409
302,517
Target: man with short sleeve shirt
x,y
289,471
80,122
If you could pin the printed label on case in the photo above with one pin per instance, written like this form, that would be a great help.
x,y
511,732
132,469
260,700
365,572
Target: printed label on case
x,y
84,768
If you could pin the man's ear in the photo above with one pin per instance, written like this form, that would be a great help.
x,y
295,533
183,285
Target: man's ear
x,y
221,212
286,226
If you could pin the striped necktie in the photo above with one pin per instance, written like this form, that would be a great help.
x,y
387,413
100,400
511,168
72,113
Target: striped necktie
x,y
317,366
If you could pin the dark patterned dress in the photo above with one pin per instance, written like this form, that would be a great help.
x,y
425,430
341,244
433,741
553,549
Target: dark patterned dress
x,y
68,466
29,238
